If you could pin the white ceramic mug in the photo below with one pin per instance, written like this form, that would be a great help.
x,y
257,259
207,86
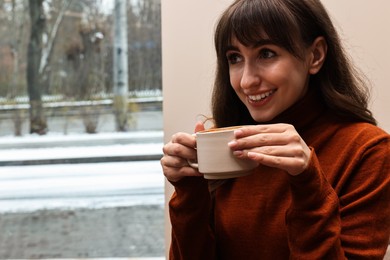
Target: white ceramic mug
x,y
216,159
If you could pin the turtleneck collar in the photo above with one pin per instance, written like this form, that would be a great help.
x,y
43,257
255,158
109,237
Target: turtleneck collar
x,y
302,113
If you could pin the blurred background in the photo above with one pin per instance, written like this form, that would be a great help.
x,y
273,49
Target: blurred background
x,y
62,60
81,129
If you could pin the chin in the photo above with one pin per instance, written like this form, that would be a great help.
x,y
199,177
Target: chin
x,y
262,119
265,115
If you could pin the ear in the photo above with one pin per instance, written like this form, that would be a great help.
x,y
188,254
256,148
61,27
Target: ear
x,y
318,50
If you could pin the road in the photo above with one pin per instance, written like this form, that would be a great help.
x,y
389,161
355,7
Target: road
x,y
74,195
90,185
81,210
80,170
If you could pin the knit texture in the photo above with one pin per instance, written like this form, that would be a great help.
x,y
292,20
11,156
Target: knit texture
x,y
338,208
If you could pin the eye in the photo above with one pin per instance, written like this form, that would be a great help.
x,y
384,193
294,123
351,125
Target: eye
x,y
267,54
233,58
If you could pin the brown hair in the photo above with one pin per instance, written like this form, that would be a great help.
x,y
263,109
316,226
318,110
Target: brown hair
x,y
291,24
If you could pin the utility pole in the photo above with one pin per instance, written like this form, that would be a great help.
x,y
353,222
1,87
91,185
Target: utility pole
x,y
120,65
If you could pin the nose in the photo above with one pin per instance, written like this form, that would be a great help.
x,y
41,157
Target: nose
x,y
250,76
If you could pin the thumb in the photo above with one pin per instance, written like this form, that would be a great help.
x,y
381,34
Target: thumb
x,y
199,126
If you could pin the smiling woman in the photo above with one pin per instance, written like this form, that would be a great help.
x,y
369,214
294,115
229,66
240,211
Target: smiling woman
x,y
307,147
284,78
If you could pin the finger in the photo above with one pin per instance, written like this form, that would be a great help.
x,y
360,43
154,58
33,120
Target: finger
x,y
294,151
268,139
265,128
173,161
179,150
292,165
199,126
176,174
184,139
279,151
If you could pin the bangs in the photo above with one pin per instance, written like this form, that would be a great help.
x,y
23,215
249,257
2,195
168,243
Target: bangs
x,y
251,21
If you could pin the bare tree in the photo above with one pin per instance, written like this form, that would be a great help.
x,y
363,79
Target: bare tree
x,y
48,47
17,40
39,51
13,31
144,25
38,122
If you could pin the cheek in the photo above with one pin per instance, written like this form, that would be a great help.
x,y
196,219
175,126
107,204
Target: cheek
x,y
235,80
299,81
292,77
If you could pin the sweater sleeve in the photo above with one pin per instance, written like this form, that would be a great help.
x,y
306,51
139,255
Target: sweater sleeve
x,y
350,221
190,213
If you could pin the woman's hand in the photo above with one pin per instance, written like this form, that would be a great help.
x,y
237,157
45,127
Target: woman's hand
x,y
176,153
273,145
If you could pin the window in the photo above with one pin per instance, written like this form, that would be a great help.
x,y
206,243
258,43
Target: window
x,y
76,179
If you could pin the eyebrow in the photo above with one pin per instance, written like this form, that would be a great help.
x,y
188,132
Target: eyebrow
x,y
256,45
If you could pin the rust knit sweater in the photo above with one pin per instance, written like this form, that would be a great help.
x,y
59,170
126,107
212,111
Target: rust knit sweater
x,y
338,208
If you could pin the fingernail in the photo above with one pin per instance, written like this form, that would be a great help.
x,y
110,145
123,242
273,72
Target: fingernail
x,y
232,143
237,153
251,155
237,132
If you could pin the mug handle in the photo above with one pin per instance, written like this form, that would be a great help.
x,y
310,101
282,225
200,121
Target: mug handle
x,y
193,164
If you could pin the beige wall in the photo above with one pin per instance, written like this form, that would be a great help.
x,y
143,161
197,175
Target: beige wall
x,y
364,27
188,65
188,56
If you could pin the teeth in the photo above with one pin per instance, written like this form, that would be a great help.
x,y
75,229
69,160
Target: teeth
x,y
260,96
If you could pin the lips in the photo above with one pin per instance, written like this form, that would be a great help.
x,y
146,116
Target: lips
x,y
260,97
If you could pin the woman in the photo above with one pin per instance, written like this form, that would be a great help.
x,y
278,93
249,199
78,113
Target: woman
x,y
322,190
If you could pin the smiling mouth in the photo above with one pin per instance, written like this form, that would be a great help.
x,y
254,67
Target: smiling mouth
x,y
260,97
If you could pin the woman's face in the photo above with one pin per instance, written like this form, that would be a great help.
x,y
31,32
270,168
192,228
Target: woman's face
x,y
267,78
